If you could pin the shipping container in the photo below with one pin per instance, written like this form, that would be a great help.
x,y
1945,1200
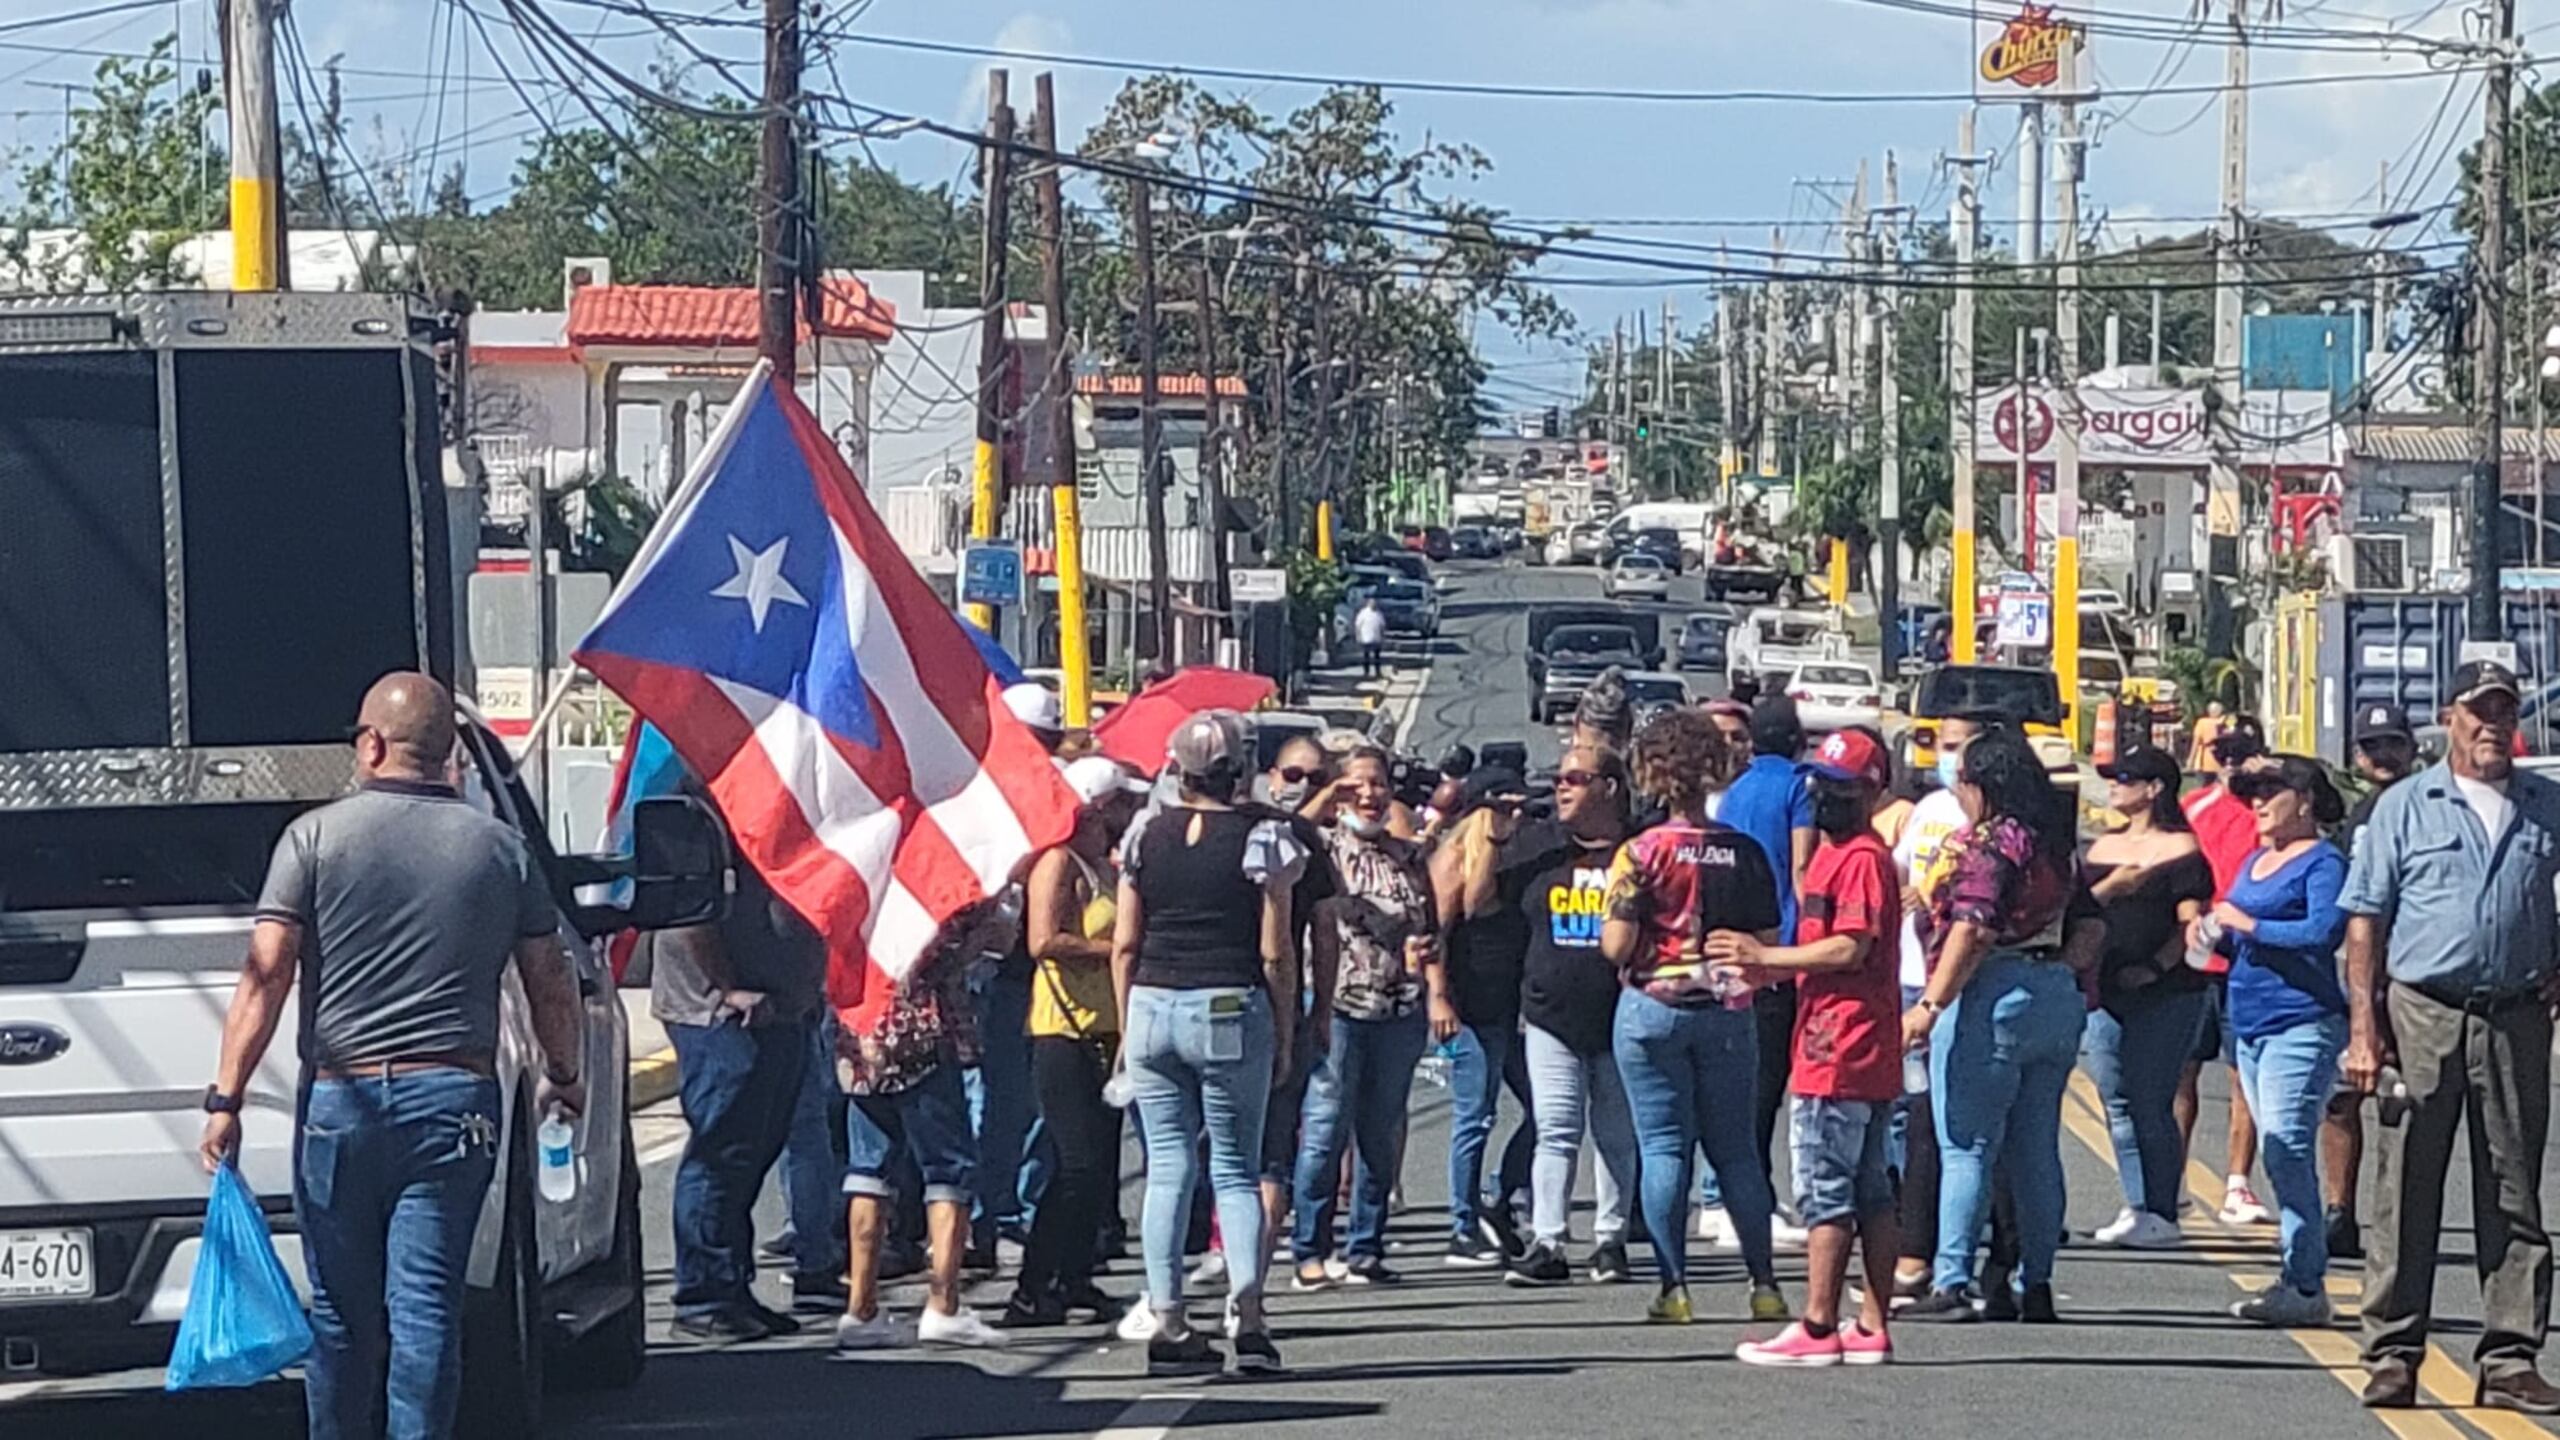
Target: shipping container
x,y
2402,649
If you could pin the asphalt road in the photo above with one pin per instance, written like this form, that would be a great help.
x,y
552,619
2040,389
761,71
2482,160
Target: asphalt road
x,y
2145,1348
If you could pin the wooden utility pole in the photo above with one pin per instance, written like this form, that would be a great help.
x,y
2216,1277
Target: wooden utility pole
x,y
1151,428
1321,446
2487,610
2066,411
778,231
1966,226
257,151
1888,249
1773,358
1075,646
1213,476
995,170
1284,530
2222,476
1729,453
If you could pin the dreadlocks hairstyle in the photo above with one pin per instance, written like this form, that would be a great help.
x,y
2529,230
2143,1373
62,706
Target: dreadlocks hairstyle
x,y
1682,758
1603,709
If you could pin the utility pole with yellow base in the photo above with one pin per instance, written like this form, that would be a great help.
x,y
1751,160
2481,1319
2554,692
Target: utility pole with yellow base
x,y
986,491
1075,645
257,152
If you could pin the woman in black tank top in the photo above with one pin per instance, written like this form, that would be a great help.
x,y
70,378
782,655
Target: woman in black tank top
x,y
1205,961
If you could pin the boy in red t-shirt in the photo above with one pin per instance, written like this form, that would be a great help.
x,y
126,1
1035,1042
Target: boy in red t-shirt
x,y
1847,1069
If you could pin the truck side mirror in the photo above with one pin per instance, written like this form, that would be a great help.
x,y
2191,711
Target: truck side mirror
x,y
680,862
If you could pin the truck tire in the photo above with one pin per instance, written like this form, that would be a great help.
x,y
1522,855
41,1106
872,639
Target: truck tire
x,y
612,1355
502,1326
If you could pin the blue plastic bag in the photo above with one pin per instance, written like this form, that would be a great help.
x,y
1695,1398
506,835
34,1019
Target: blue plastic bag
x,y
244,1321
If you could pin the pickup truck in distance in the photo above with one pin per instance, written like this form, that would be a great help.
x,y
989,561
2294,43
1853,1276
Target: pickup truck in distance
x,y
1573,657
1747,580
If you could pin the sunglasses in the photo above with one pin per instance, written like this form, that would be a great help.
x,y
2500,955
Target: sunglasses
x,y
1578,779
1296,774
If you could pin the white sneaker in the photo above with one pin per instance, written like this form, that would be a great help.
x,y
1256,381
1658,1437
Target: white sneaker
x,y
961,1328
1715,1227
2240,1204
1785,1234
876,1333
1209,1274
2150,1232
2285,1308
2114,1231
1139,1325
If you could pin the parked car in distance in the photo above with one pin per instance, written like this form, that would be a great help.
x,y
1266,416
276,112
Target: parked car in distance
x,y
1409,609
1410,537
1474,542
1635,575
1835,694
1409,565
2103,600
1702,638
1652,694
1435,542
1584,542
1572,656
1660,542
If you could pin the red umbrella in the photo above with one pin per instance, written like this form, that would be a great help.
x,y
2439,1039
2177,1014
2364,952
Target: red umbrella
x,y
1135,734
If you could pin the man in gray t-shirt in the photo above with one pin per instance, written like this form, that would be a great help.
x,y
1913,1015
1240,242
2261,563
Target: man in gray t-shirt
x,y
399,908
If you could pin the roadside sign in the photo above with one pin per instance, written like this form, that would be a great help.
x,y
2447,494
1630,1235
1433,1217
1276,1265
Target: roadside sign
x,y
2025,620
991,573
2496,652
1258,587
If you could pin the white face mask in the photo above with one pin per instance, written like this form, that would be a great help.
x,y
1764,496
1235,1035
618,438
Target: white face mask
x,y
1289,795
1361,825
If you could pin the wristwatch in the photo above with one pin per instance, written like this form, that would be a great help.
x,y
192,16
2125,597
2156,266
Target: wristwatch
x,y
1932,1006
217,1103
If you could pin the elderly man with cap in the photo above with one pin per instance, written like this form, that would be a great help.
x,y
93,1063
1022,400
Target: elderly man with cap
x,y
2450,982
2386,751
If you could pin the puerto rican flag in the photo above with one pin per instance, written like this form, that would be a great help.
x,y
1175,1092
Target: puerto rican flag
x,y
847,726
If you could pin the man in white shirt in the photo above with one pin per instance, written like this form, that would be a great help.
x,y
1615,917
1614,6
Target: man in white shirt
x,y
1369,631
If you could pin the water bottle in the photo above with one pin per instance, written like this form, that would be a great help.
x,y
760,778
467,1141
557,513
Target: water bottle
x,y
2391,1096
1435,1066
1915,1071
558,1176
2208,935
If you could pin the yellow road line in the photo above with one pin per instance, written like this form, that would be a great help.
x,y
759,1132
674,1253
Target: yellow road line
x,y
2334,1352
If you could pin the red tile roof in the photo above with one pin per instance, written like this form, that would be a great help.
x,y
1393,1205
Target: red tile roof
x,y
713,317
1118,385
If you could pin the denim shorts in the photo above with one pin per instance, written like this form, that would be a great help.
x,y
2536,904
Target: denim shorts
x,y
2215,1037
1838,1153
929,1121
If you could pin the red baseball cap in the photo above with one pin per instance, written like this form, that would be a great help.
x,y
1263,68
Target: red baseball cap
x,y
1852,755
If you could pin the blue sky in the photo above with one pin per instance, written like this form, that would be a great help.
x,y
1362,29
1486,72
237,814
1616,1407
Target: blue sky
x,y
2315,149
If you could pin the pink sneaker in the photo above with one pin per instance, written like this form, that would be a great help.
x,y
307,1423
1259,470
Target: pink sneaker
x,y
1861,1346
1791,1348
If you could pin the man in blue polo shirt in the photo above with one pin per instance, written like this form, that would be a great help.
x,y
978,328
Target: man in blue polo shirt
x,y
2450,978
1772,802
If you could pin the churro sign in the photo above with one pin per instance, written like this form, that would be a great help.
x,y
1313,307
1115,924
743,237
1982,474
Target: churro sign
x,y
2028,50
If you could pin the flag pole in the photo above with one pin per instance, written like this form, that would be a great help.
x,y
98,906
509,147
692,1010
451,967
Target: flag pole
x,y
714,449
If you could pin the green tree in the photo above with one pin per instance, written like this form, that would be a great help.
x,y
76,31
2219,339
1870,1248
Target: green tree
x,y
136,175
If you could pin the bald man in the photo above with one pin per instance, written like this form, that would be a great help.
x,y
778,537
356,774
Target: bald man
x,y
405,905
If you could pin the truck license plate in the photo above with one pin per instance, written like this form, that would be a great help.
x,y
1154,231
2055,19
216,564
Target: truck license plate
x,y
46,1265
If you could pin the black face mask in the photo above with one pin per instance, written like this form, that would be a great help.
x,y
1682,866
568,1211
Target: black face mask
x,y
1838,812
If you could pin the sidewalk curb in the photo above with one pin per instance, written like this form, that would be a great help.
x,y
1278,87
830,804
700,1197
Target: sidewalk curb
x,y
653,1078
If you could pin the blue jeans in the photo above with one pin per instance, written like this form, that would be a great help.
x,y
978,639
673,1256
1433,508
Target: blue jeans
x,y
388,1183
1483,1059
1999,1061
739,1085
1358,1095
1002,1109
1200,1059
921,1132
2135,1046
1568,1090
2287,1078
813,1160
1690,1078
1836,1152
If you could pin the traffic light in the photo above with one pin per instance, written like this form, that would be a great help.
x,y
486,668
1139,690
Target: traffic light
x,y
1551,425
1644,428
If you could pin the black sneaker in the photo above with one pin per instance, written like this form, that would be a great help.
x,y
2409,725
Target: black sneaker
x,y
1942,1307
783,1246
1094,1303
1026,1311
1192,1354
2035,1307
1498,1229
775,1323
1370,1270
1471,1252
1999,1302
1543,1265
2346,1238
1609,1264
978,1260
735,1326
818,1294
1255,1354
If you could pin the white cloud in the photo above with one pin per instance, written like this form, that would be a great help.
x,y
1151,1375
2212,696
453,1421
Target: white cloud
x,y
1028,31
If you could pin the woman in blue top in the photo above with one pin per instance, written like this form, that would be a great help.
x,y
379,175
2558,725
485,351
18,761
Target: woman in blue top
x,y
2281,925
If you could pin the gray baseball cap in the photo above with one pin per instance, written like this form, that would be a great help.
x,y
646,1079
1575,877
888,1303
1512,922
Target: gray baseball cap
x,y
1208,739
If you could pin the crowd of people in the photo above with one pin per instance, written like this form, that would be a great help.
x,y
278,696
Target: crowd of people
x,y
1710,925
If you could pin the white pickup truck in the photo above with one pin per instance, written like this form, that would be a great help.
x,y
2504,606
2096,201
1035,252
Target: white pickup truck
x,y
247,564
1770,644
